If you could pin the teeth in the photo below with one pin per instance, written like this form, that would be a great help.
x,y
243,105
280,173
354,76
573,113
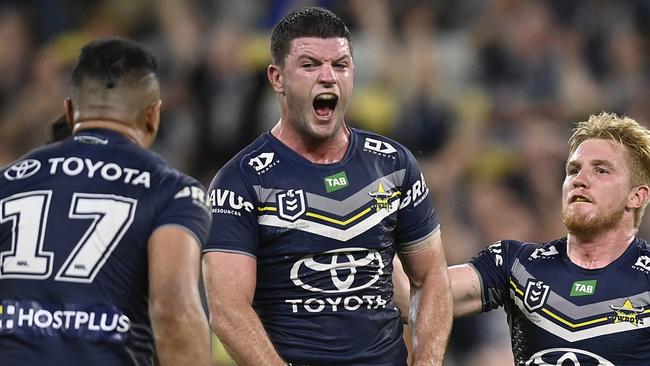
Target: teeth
x,y
326,97
580,199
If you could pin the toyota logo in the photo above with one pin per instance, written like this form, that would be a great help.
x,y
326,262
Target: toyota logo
x,y
566,357
23,169
342,265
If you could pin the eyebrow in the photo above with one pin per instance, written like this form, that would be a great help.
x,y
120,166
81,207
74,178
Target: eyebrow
x,y
312,58
594,162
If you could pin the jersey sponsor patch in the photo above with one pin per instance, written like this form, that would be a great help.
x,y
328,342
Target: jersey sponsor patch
x,y
335,182
196,194
544,253
642,264
583,288
566,356
332,274
225,201
263,162
74,166
382,148
22,169
94,322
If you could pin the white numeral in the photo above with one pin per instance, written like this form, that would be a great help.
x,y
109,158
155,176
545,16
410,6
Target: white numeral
x,y
111,217
28,213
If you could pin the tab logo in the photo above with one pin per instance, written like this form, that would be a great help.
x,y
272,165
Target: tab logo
x,y
336,182
583,288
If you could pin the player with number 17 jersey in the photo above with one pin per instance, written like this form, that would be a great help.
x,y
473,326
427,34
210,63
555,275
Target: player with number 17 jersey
x,y
324,236
75,220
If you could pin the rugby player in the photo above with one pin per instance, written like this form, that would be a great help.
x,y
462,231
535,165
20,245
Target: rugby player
x,y
100,239
307,220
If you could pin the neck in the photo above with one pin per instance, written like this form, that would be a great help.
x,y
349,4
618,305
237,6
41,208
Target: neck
x,y
319,151
135,134
600,250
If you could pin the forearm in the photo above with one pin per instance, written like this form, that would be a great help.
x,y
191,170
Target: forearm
x,y
241,332
182,335
430,318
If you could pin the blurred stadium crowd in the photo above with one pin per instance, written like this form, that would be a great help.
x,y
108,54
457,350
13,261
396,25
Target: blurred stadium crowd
x,y
484,92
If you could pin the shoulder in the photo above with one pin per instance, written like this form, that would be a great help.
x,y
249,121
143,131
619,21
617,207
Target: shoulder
x,y
373,142
30,164
519,250
255,157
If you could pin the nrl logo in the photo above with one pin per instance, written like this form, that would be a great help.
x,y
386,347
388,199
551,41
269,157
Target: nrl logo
x,y
291,204
536,294
627,313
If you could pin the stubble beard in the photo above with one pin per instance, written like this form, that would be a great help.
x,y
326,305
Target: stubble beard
x,y
581,224
311,134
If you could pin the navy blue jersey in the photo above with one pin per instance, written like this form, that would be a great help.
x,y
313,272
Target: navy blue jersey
x,y
560,312
324,236
75,219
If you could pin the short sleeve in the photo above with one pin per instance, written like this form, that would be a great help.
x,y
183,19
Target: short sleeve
x,y
416,219
186,207
234,217
493,266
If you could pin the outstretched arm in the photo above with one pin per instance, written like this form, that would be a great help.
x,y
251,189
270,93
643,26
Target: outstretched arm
x,y
179,323
430,310
466,288
230,281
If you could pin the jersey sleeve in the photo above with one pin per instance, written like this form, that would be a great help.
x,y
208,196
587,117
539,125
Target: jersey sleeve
x,y
186,207
416,218
234,218
493,267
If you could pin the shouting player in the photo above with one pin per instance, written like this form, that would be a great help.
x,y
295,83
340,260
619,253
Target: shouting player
x,y
307,220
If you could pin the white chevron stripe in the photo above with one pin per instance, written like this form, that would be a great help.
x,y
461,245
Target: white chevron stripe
x,y
574,336
328,231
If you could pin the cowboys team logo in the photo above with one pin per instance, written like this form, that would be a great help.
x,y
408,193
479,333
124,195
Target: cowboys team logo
x,y
338,271
627,313
23,169
566,357
536,294
291,204
381,197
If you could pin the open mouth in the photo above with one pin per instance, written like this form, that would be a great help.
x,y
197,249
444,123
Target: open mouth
x,y
578,198
325,104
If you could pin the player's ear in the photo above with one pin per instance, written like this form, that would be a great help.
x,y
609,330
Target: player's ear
x,y
638,197
69,112
274,73
152,122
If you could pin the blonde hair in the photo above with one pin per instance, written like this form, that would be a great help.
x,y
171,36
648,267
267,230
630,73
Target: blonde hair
x,y
627,132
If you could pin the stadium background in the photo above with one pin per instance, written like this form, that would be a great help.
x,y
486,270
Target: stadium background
x,y
484,93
